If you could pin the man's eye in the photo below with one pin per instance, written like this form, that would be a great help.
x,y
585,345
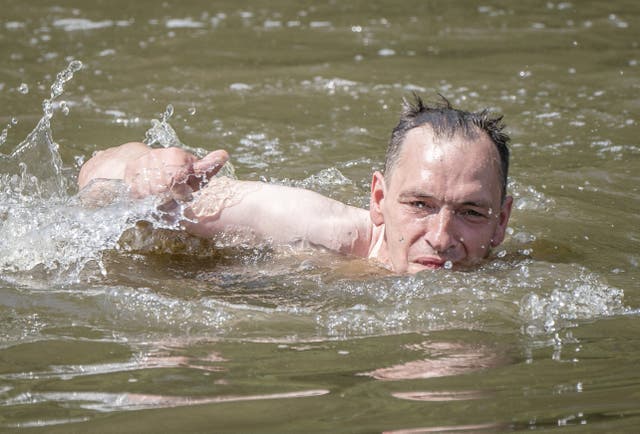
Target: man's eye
x,y
421,205
472,213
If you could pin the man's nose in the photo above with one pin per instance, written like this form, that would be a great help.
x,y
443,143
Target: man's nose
x,y
440,231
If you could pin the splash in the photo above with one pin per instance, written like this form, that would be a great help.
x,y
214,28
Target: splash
x,y
161,132
44,230
586,297
34,169
46,234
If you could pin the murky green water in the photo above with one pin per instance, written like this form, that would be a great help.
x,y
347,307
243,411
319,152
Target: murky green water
x,y
101,332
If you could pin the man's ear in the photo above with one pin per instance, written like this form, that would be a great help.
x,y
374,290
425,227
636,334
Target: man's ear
x,y
503,221
376,199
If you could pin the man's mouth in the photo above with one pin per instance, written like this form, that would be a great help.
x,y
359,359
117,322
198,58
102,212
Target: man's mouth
x,y
431,262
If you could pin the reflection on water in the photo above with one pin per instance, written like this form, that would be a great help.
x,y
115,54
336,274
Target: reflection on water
x,y
106,402
444,359
441,396
487,427
152,360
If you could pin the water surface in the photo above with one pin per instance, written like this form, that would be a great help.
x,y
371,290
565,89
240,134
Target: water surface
x,y
112,321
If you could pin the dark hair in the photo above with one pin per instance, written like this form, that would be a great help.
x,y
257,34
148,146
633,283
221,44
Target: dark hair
x,y
446,121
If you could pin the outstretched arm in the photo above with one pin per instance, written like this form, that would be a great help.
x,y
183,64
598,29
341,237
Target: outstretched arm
x,y
283,215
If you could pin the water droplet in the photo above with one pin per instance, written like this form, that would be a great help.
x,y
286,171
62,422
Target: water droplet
x,y
3,136
75,65
64,108
168,112
501,254
23,88
240,87
161,132
14,121
448,265
548,324
192,111
47,108
64,76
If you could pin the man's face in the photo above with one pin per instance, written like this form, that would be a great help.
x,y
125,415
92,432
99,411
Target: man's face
x,y
442,203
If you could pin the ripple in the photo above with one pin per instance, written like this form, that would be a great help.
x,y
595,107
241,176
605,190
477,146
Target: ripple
x,y
76,24
108,402
183,23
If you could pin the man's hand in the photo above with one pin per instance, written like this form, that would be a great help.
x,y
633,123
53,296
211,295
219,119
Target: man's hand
x,y
171,170
149,171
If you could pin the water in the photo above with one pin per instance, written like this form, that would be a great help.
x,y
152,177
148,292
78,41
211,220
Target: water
x,y
113,321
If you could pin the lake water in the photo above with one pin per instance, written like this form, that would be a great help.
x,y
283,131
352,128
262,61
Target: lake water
x,y
110,324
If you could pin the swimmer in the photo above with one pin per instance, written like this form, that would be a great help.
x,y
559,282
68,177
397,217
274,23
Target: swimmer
x,y
439,202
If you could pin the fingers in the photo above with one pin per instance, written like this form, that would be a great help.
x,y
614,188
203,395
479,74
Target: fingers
x,y
211,163
200,171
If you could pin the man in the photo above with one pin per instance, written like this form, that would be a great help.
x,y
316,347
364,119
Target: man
x,y
440,201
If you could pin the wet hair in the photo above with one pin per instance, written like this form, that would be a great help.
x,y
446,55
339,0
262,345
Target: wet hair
x,y
446,121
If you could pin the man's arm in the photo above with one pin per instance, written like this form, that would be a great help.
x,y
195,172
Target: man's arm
x,y
283,215
280,214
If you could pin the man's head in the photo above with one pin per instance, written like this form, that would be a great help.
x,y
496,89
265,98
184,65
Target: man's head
x,y
446,121
442,197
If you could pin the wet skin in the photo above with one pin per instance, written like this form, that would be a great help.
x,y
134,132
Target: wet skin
x,y
441,204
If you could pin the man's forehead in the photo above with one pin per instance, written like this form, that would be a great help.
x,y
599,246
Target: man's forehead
x,y
456,160
421,142
425,135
